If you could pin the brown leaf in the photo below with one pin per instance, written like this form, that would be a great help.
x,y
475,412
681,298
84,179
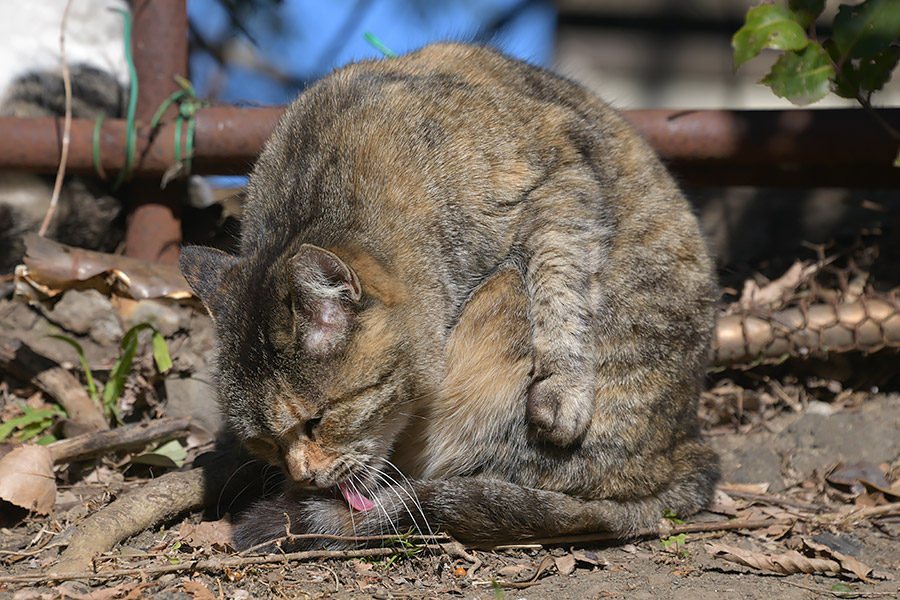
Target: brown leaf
x,y
51,267
848,563
588,557
110,593
197,590
786,564
565,564
747,488
27,479
208,534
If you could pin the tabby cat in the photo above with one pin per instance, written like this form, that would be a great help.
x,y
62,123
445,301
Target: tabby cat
x,y
468,297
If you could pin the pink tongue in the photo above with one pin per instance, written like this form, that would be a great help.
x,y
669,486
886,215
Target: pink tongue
x,y
355,499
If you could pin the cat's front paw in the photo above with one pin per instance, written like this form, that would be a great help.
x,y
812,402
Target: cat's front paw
x,y
560,409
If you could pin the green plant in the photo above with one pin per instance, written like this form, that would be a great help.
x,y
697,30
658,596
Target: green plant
x,y
856,61
122,367
675,544
32,423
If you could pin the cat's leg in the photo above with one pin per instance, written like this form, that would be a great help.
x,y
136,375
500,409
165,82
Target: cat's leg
x,y
564,255
481,509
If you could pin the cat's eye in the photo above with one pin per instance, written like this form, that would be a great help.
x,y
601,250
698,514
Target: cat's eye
x,y
311,427
261,446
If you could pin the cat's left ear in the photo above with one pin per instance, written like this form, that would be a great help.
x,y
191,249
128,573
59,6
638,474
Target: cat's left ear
x,y
324,290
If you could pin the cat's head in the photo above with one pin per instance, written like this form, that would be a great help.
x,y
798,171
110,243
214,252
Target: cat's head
x,y
308,364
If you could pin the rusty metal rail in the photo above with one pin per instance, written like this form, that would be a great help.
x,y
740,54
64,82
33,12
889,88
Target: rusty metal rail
x,y
810,147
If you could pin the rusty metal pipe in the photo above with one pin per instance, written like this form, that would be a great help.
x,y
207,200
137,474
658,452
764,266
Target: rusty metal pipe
x,y
160,51
807,147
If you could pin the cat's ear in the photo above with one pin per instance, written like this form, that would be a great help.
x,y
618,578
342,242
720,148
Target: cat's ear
x,y
205,269
323,291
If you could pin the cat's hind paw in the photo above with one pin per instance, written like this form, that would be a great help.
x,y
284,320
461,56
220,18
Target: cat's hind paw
x,y
560,410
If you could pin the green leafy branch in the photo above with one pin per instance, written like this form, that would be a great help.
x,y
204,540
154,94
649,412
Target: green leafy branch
x,y
856,61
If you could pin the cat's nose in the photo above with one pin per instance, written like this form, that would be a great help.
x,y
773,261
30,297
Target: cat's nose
x,y
307,482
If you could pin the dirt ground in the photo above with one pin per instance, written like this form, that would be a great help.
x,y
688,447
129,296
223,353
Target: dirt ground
x,y
810,453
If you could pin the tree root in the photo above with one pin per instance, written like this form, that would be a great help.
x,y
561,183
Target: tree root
x,y
159,501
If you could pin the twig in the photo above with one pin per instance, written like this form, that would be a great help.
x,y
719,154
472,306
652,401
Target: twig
x,y
127,436
885,510
853,594
211,564
440,537
67,126
666,530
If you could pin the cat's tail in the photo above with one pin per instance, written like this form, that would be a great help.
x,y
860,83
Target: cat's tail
x,y
475,510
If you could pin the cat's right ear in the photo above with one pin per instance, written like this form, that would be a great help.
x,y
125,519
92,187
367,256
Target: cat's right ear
x,y
205,269
323,291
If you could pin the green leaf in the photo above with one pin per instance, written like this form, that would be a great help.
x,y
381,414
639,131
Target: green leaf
x,y
802,77
121,368
767,26
499,594
806,11
31,418
87,371
875,71
161,352
842,590
866,29
170,455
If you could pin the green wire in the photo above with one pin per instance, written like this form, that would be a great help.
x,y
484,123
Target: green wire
x,y
131,132
376,43
189,146
162,107
97,165
178,139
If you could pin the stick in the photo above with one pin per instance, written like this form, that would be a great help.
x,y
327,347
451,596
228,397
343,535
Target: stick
x,y
18,359
214,565
665,531
67,126
128,436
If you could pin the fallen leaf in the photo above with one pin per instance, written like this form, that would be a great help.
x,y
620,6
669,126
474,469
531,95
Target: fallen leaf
x,y
197,590
723,504
208,534
27,479
747,488
110,593
591,558
816,558
510,571
565,564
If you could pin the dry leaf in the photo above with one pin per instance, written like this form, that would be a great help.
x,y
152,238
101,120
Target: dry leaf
x,y
27,479
588,557
747,488
565,564
723,504
110,593
774,293
208,534
51,267
786,564
511,571
823,560
197,590
848,563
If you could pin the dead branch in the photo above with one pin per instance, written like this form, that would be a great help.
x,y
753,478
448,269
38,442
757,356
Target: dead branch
x,y
665,530
127,436
67,126
19,360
